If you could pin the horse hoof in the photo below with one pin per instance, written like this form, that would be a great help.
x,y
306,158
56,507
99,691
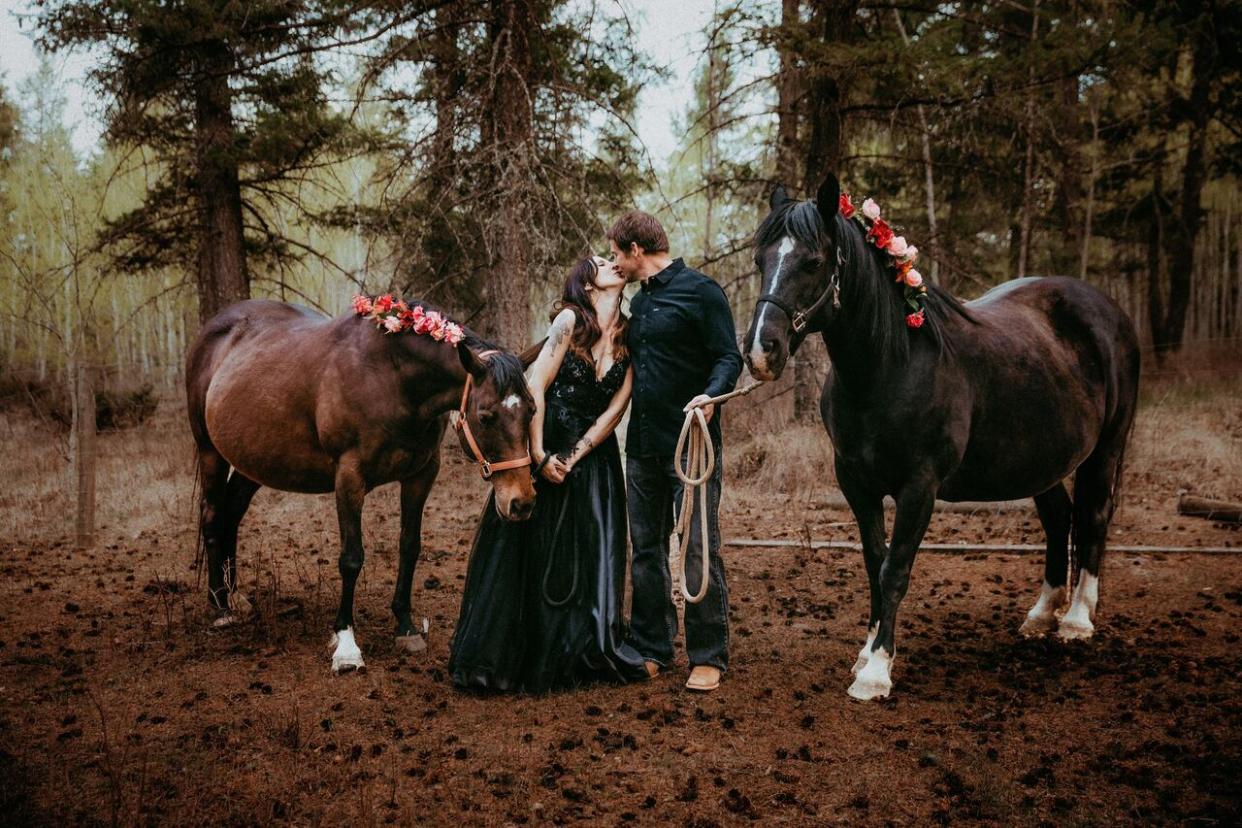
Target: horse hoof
x,y
1075,630
859,663
412,643
1037,626
869,689
346,657
225,619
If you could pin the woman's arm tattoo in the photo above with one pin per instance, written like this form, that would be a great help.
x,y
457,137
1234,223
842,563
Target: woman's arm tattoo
x,y
584,445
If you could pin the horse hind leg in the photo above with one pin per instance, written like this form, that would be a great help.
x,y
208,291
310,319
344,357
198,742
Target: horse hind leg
x,y
1055,511
238,493
213,473
1094,493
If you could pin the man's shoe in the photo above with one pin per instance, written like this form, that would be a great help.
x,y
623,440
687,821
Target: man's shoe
x,y
653,668
703,679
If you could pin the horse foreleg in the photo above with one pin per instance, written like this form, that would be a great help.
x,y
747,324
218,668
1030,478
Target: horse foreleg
x,y
914,508
414,492
1054,509
868,510
350,492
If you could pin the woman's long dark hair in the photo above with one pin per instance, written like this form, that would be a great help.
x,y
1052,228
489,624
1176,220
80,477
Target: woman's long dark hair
x,y
587,332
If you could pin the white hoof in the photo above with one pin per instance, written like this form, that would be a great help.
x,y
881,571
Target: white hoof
x,y
1076,623
1073,629
864,655
1037,626
414,643
1042,619
869,690
228,619
874,680
346,657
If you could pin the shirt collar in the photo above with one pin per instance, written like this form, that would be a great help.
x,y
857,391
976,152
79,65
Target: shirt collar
x,y
666,275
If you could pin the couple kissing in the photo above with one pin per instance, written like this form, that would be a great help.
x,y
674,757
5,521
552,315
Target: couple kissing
x,y
543,607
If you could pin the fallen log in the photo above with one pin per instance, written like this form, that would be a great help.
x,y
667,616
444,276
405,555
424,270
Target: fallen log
x,y
1219,510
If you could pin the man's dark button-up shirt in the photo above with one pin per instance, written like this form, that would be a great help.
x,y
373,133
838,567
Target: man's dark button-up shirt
x,y
682,343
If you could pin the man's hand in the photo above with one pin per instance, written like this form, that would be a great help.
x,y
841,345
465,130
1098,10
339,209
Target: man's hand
x,y
697,402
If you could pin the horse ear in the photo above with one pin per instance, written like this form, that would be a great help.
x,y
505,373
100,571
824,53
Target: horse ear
x,y
828,197
474,366
778,197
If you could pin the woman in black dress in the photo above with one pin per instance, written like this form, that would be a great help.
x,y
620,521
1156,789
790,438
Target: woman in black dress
x,y
542,608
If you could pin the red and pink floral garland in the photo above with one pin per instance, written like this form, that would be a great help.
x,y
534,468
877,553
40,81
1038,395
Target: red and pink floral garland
x,y
903,254
394,316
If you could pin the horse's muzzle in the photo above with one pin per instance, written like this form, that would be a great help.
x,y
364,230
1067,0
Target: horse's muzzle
x,y
766,358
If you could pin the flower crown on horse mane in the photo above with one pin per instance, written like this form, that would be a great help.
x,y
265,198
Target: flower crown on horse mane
x,y
394,316
880,234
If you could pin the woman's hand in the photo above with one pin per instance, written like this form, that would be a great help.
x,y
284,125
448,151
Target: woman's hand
x,y
555,469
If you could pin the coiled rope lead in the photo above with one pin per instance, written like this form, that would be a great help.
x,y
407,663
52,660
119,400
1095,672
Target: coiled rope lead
x,y
699,465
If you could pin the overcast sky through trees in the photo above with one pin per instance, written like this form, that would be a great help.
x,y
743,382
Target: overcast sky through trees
x,y
669,32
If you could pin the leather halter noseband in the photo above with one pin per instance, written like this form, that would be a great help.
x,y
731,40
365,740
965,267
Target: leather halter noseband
x,y
799,318
460,423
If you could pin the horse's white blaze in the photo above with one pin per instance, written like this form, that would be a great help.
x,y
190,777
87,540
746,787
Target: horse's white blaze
x,y
1076,623
346,656
1042,617
874,680
758,358
512,401
865,653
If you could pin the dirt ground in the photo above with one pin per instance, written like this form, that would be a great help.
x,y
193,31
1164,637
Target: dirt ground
x,y
119,705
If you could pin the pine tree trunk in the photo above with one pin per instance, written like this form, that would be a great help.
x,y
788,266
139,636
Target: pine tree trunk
x,y
929,176
833,20
1084,251
1155,245
222,278
1026,221
1181,250
788,92
508,278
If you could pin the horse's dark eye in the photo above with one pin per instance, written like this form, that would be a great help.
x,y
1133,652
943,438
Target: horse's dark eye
x,y
487,416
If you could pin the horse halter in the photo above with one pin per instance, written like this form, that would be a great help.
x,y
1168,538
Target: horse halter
x,y
799,318
460,423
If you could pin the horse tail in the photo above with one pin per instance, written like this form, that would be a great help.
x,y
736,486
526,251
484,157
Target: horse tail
x,y
200,547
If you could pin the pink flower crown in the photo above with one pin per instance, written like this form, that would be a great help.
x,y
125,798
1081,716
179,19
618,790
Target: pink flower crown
x,y
394,316
902,252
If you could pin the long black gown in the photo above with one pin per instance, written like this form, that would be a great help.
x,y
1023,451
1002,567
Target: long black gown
x,y
543,600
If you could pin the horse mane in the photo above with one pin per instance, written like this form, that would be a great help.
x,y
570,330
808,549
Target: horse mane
x,y
879,304
504,367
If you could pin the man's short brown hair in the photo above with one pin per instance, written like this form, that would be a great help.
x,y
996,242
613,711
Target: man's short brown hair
x,y
643,229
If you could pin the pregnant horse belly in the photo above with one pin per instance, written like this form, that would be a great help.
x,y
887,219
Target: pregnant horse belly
x,y
1023,467
266,438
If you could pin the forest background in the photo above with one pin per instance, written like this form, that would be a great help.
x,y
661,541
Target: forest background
x,y
467,153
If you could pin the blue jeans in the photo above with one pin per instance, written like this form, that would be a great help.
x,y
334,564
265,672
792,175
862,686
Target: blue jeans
x,y
652,490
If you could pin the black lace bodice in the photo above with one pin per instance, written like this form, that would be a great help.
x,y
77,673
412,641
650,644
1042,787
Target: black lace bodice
x,y
576,398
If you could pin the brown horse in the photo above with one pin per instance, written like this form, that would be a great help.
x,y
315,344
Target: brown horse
x,y
296,401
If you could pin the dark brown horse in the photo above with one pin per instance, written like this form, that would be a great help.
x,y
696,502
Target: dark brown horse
x,y
995,399
296,401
